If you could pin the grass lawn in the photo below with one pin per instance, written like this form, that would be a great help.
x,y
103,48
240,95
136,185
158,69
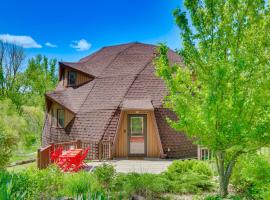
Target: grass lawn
x,y
22,167
23,153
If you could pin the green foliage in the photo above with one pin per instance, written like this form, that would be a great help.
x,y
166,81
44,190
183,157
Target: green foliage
x,y
252,177
181,177
38,184
220,92
11,59
191,183
105,175
39,77
79,184
149,186
18,129
11,125
7,144
22,101
96,195
217,197
189,176
32,183
179,167
34,118
52,183
6,188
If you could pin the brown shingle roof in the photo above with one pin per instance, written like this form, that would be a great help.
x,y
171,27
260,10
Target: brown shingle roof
x,y
121,72
71,98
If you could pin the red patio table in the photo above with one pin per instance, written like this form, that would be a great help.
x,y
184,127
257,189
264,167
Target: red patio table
x,y
68,158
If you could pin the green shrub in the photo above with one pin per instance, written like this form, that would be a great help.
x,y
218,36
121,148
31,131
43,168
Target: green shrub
x,y
92,196
105,175
217,197
147,185
189,176
6,188
190,183
251,177
32,183
187,166
78,184
105,183
7,145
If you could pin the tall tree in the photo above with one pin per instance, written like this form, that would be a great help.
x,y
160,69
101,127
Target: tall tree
x,y
39,77
11,59
221,91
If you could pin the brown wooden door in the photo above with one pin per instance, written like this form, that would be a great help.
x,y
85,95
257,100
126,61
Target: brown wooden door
x,y
137,134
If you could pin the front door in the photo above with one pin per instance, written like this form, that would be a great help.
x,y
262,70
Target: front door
x,y
137,127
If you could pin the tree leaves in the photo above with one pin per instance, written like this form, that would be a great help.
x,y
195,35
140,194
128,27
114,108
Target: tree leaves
x,y
224,48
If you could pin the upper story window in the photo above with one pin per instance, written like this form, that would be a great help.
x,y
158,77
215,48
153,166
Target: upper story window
x,y
53,118
72,78
60,118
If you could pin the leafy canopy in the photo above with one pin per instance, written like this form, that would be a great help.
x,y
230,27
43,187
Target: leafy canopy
x,y
39,77
221,91
22,99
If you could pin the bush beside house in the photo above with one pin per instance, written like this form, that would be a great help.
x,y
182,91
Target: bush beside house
x,y
104,181
251,178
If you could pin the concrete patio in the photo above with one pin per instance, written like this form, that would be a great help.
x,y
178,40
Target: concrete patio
x,y
139,166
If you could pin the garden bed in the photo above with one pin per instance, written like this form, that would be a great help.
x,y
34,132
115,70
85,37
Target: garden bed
x,y
182,177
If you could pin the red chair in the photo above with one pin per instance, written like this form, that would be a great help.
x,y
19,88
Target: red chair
x,y
79,162
55,154
68,163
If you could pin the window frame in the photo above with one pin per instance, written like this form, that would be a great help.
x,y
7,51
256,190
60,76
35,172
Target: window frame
x,y
68,78
58,117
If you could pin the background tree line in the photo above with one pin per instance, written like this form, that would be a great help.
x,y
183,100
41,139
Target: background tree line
x,y
23,84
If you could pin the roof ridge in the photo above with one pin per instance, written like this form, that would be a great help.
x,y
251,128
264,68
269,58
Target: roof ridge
x,y
91,56
135,77
118,107
117,55
98,77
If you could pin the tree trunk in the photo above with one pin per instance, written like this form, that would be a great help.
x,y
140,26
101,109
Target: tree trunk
x,y
224,171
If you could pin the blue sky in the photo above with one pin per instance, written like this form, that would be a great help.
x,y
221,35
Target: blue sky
x,y
73,29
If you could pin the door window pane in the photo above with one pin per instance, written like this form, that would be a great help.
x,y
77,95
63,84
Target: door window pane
x,y
136,125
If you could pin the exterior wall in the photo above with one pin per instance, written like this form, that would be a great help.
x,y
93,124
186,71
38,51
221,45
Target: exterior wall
x,y
81,78
121,144
68,116
175,144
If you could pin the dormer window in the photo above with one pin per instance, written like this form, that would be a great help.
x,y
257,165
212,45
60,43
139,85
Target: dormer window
x,y
63,75
72,78
60,118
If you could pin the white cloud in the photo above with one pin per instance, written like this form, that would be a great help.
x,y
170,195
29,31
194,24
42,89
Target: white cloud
x,y
48,44
20,40
81,45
